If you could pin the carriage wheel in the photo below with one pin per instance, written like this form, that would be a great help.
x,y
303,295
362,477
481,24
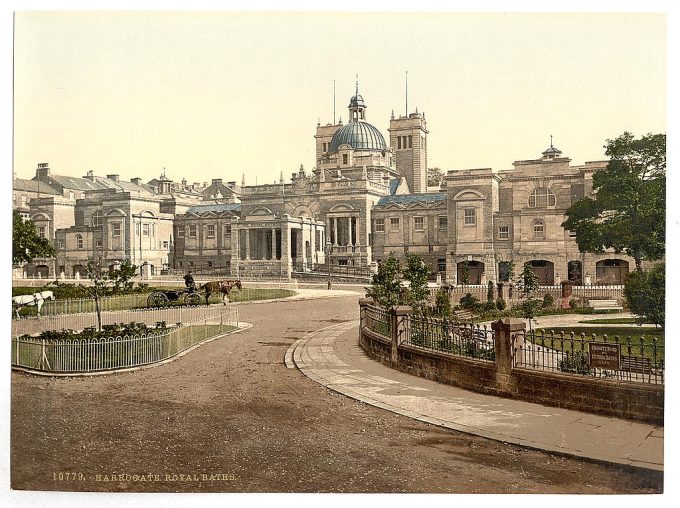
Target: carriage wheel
x,y
157,300
193,299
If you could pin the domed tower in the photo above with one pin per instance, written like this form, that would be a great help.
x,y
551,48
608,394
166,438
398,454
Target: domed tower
x,y
356,145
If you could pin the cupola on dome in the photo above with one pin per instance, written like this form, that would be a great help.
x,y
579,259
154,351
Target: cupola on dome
x,y
360,136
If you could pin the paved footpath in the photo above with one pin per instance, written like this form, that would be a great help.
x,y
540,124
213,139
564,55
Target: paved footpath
x,y
333,358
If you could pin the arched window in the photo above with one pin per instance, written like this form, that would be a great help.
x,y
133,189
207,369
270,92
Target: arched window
x,y
79,242
539,229
97,219
542,197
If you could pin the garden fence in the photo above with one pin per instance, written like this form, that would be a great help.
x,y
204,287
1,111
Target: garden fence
x,y
111,353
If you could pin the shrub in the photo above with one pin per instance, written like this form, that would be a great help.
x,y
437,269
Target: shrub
x,y
490,292
548,301
500,303
469,302
489,306
645,294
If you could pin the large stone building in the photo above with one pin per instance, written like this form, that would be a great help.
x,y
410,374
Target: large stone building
x,y
363,200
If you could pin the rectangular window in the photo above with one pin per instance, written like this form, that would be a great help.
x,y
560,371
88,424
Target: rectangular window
x,y
470,217
344,158
410,141
145,230
399,142
60,244
165,245
98,244
394,223
418,223
503,232
379,225
210,233
180,231
443,222
41,231
572,234
209,264
441,265
192,231
539,229
115,229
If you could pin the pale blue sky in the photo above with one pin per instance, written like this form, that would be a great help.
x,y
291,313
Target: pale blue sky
x,y
209,95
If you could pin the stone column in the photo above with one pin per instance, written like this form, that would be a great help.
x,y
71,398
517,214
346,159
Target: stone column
x,y
235,254
335,230
273,244
247,244
301,247
398,328
286,267
349,231
508,334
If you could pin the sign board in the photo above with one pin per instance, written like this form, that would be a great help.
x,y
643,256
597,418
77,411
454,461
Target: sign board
x,y
604,355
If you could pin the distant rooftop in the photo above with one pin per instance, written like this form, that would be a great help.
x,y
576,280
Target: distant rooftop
x,y
404,199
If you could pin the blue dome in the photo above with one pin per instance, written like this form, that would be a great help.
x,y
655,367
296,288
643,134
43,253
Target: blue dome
x,y
358,135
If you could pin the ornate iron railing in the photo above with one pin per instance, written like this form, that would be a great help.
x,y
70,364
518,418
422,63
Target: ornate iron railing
x,y
471,341
628,359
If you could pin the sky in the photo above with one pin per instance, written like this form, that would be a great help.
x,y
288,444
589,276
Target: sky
x,y
226,94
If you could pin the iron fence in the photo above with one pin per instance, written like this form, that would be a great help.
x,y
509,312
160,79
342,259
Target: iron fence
x,y
640,360
82,320
80,305
472,341
111,353
377,320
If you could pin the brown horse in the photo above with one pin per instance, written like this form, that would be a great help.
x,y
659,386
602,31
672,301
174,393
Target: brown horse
x,y
223,287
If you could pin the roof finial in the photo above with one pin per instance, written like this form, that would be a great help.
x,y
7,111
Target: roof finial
x,y
407,94
333,102
551,145
357,88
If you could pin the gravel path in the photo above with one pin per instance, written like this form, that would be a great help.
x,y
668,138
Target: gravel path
x,y
230,417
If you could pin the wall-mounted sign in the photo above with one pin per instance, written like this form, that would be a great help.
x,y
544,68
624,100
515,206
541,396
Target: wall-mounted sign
x,y
604,355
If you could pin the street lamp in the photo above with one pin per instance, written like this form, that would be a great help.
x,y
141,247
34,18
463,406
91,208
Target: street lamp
x,y
329,246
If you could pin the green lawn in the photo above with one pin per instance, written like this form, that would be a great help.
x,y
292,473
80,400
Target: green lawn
x,y
611,321
139,300
641,339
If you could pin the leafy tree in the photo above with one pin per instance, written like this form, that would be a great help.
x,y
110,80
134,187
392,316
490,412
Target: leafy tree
x,y
442,303
122,275
416,273
465,273
434,177
645,292
385,286
26,244
628,212
104,279
490,292
527,283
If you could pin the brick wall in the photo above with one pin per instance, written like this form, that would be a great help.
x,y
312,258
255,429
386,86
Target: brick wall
x,y
633,401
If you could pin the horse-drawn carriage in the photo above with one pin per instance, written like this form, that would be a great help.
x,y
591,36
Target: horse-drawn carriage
x,y
163,298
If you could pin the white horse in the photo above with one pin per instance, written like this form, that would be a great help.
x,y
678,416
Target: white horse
x,y
36,299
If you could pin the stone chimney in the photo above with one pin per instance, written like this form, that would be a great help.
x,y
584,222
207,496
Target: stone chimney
x,y
217,181
231,185
89,175
136,180
115,178
43,171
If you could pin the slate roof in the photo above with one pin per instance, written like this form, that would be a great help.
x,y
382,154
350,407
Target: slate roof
x,y
407,199
221,207
394,184
20,184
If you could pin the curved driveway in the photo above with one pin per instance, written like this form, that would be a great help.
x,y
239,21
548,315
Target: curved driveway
x,y
231,417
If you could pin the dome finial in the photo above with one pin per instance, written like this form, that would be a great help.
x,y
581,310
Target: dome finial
x,y
357,86
551,145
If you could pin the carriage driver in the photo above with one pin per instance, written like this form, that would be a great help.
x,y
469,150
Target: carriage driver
x,y
189,281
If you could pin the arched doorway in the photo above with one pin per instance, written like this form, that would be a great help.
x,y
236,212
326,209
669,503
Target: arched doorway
x,y
42,271
504,271
544,270
79,271
474,270
575,272
611,271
